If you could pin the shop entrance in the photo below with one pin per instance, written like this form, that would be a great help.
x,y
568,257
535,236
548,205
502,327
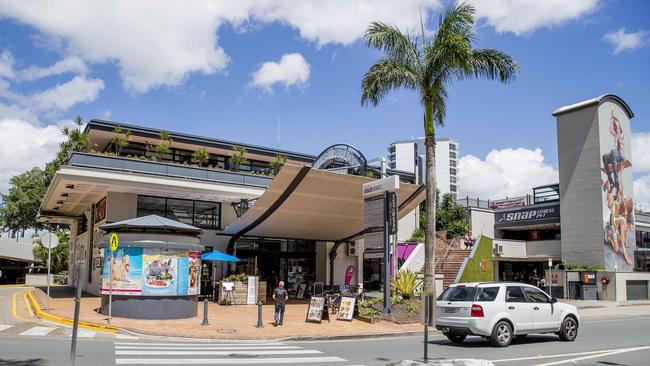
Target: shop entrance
x,y
274,260
525,272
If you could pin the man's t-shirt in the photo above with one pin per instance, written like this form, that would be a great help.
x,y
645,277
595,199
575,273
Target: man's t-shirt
x,y
280,294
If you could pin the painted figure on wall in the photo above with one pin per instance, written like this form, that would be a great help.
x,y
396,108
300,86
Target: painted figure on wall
x,y
619,215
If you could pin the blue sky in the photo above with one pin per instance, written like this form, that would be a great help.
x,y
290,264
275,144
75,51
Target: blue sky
x,y
180,69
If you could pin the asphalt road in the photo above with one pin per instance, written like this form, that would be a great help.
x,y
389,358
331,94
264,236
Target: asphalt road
x,y
623,340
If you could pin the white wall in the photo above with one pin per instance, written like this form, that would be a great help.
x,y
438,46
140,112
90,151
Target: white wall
x,y
343,261
405,157
407,225
482,222
511,248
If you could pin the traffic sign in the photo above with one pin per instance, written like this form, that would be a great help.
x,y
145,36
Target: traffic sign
x,y
49,240
113,242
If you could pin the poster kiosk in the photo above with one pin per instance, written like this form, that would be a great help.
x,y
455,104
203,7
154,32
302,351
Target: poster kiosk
x,y
154,271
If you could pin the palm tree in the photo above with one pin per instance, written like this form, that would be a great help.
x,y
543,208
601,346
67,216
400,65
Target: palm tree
x,y
428,65
121,140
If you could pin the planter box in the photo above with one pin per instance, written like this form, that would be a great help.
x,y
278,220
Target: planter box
x,y
240,293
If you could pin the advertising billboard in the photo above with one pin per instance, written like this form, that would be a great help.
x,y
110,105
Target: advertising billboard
x,y
152,272
616,184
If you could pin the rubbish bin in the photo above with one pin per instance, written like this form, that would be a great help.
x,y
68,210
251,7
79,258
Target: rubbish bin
x,y
589,292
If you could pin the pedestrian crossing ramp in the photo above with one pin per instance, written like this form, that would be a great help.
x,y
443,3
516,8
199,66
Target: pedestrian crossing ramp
x,y
203,353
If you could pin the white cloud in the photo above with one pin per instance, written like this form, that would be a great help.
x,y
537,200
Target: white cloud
x,y
7,65
336,21
524,16
642,192
507,172
23,146
641,152
63,96
67,65
624,41
292,70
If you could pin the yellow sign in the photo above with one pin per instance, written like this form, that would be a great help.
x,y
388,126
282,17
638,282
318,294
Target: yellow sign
x,y
113,242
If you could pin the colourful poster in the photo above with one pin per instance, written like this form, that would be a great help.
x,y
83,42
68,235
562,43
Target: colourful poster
x,y
617,185
127,271
194,265
160,272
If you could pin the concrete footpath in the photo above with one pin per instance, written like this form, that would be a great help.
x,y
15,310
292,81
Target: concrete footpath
x,y
236,322
239,322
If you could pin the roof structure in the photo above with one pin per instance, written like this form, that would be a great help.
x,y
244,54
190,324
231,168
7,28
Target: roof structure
x,y
312,204
151,222
18,250
594,101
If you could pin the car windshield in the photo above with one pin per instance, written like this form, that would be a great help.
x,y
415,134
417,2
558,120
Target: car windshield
x,y
458,293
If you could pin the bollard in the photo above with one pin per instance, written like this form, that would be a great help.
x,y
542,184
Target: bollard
x,y
205,312
260,323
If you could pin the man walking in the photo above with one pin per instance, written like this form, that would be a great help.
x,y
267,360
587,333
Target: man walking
x,y
280,295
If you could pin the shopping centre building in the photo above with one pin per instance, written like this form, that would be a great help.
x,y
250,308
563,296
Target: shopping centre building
x,y
302,223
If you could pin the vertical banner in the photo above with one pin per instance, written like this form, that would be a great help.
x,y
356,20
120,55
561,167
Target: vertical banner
x,y
616,184
251,296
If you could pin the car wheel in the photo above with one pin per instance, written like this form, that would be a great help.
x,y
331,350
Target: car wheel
x,y
569,330
456,338
501,334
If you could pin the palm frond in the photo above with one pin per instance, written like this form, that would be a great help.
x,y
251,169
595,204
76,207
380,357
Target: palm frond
x,y
392,41
385,75
493,64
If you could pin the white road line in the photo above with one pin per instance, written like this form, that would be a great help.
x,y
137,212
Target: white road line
x,y
614,320
125,336
5,327
550,356
199,348
37,331
216,353
84,333
197,344
574,360
224,361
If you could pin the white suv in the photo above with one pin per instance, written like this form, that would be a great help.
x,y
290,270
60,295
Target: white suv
x,y
501,310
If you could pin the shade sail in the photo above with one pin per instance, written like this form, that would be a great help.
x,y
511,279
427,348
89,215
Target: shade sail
x,y
312,204
220,257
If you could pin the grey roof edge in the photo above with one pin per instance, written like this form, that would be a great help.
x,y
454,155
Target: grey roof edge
x,y
151,222
155,244
594,101
110,125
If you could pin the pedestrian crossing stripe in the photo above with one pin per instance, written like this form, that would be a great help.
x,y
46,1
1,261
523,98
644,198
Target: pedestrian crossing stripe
x,y
194,344
207,347
5,326
226,361
37,331
217,353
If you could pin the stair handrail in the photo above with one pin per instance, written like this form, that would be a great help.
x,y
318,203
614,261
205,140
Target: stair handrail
x,y
444,256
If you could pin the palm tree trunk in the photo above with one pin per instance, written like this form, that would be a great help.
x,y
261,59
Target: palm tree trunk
x,y
430,225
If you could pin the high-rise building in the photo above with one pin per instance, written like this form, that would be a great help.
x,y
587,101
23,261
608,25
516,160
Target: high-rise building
x,y
409,156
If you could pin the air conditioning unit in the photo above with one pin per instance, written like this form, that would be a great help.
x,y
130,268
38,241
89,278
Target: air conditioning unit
x,y
498,249
352,249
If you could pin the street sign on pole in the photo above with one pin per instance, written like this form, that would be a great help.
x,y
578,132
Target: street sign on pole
x,y
550,276
49,241
113,243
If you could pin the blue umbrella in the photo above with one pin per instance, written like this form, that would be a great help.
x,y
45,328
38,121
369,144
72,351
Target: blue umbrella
x,y
216,255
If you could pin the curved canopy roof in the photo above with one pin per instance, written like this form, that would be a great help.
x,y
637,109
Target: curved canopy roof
x,y
312,204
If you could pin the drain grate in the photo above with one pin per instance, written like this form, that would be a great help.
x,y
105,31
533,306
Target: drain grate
x,y
226,330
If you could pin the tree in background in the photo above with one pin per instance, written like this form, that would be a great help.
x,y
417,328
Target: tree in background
x,y
59,262
121,140
278,163
201,156
164,147
21,203
427,66
451,217
238,158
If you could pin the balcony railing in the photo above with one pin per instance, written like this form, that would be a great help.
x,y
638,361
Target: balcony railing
x,y
114,163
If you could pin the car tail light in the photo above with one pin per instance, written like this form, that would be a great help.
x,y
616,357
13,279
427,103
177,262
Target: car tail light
x,y
477,311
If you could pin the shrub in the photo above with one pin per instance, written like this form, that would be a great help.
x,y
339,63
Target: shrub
x,y
243,277
413,307
406,283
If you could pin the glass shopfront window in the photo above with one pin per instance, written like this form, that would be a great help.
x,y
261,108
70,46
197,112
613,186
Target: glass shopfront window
x,y
201,214
643,239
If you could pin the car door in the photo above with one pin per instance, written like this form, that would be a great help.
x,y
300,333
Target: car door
x,y
546,316
520,309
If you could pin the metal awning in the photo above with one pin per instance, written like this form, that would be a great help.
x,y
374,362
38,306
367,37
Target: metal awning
x,y
312,204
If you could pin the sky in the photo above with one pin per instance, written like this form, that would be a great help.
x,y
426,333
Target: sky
x,y
235,69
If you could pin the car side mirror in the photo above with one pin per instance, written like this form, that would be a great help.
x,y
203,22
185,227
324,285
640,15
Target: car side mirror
x,y
553,300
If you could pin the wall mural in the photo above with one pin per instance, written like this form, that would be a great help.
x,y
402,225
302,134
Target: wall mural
x,y
616,175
